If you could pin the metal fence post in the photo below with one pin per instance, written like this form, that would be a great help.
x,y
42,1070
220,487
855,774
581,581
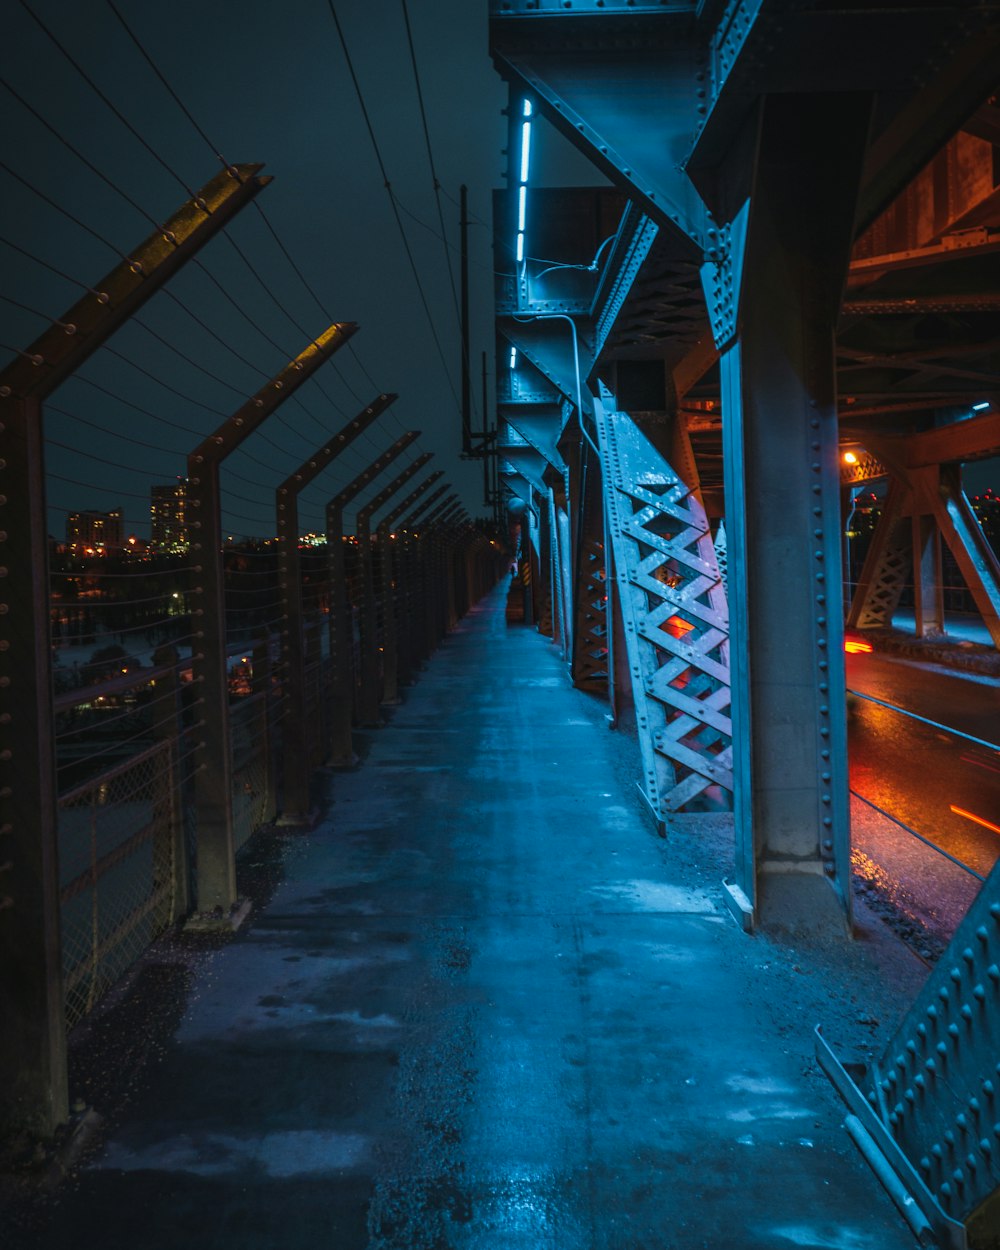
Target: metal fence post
x,y
263,676
295,788
371,680
409,655
342,609
389,564
167,727
32,1028
215,870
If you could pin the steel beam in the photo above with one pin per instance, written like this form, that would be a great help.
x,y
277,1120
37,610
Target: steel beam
x,y
928,1104
628,96
342,608
295,791
215,869
773,299
676,627
589,668
32,1031
371,677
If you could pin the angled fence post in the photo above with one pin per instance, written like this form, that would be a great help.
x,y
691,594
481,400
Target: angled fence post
x,y
409,655
295,790
32,1028
389,567
371,693
342,608
425,574
215,874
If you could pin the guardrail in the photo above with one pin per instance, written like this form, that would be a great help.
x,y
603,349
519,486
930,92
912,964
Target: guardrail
x,y
926,886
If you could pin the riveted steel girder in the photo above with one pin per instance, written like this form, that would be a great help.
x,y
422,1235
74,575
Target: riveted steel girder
x,y
675,617
549,343
589,665
926,1110
773,300
627,91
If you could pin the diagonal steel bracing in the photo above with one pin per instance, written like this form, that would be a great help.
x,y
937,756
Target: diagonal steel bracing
x,y
675,617
925,504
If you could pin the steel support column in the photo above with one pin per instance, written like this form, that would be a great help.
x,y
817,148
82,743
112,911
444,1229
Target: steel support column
x,y
295,790
342,608
215,869
589,666
774,299
32,1028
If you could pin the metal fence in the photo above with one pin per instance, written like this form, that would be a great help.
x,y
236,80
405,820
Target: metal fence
x,y
252,744
118,851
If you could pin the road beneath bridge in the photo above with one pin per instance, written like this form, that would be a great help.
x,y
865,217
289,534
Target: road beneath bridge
x,y
485,1007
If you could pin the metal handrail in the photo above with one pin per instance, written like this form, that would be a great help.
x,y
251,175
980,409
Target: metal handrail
x,y
919,836
949,729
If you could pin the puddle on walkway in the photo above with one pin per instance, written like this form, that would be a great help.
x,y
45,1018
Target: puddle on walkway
x,y
656,896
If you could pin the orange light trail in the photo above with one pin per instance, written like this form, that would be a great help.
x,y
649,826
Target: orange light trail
x,y
987,824
854,645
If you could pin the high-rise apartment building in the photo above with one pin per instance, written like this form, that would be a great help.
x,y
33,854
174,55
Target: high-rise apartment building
x,y
168,513
94,533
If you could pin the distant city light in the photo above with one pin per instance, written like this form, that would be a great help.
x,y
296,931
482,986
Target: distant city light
x,y
985,403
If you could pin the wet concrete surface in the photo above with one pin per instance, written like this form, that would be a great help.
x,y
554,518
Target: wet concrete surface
x,y
487,1009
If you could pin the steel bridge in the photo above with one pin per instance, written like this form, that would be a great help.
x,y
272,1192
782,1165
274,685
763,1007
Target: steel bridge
x,y
789,288
788,285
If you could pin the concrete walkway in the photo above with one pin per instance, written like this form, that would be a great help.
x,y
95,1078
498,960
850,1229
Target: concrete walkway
x,y
487,1009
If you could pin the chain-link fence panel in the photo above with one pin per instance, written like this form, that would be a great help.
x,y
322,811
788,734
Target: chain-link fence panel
x,y
117,872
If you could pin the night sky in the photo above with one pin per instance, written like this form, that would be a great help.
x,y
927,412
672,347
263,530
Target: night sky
x,y
265,83
271,84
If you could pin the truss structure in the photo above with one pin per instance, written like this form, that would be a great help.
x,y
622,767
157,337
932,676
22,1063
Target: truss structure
x,y
676,619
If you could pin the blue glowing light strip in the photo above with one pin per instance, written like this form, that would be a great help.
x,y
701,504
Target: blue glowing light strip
x,y
522,196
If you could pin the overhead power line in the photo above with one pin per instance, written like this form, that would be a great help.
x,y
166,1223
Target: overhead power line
x,y
392,200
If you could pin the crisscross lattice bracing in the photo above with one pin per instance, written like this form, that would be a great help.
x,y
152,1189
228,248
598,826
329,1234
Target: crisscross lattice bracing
x,y
676,619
